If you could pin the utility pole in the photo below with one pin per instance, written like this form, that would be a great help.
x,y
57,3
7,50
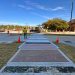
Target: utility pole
x,y
71,10
71,13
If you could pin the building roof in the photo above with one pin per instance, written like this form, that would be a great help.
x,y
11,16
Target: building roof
x,y
72,21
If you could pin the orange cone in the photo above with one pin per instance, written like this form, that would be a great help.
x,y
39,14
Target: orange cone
x,y
57,40
19,41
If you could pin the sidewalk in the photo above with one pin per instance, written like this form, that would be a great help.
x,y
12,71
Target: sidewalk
x,y
34,53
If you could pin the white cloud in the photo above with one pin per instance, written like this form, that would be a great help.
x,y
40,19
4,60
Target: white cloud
x,y
21,6
43,16
30,3
25,7
10,23
42,7
57,8
36,5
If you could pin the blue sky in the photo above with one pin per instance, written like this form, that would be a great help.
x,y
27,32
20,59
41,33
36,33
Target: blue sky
x,y
33,12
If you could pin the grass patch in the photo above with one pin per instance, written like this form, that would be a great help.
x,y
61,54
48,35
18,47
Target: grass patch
x,y
7,51
68,50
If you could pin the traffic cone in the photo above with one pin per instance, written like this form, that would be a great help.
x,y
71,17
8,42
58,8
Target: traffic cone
x,y
19,41
57,40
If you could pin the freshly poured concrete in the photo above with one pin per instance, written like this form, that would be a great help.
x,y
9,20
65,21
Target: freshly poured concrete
x,y
39,56
39,51
38,41
36,38
38,47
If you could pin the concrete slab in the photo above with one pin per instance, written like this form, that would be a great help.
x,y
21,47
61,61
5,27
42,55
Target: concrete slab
x,y
38,47
43,64
37,41
39,56
37,36
33,38
44,73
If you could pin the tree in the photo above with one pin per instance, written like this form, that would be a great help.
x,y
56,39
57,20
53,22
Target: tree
x,y
46,24
37,29
56,24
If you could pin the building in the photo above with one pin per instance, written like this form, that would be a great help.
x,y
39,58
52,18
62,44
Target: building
x,y
72,25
